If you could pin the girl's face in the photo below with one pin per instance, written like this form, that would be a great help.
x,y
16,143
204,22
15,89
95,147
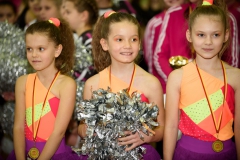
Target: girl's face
x,y
48,9
41,52
34,6
7,14
71,15
207,36
123,42
172,3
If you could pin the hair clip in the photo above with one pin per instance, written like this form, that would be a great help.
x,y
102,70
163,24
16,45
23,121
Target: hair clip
x,y
54,21
108,13
207,2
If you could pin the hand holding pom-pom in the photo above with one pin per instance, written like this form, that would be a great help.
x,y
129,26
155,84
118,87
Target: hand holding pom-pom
x,y
116,124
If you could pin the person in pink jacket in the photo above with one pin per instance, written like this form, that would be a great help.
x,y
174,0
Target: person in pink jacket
x,y
151,35
234,11
172,40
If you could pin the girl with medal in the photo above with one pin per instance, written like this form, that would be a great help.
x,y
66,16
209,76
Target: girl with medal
x,y
45,99
203,96
116,43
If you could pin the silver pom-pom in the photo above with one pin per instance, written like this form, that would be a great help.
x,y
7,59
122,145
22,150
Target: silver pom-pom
x,y
79,96
7,118
83,66
13,62
83,59
107,115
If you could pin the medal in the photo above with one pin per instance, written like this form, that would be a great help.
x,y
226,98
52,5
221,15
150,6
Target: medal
x,y
217,146
33,153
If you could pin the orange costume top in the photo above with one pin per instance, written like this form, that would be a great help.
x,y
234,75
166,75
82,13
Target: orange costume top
x,y
118,84
48,115
195,115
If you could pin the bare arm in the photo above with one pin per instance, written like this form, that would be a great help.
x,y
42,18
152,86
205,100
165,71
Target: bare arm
x,y
67,94
156,96
171,113
90,85
237,116
19,119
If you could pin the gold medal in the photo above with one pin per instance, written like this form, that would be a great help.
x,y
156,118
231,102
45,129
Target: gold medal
x,y
33,153
217,146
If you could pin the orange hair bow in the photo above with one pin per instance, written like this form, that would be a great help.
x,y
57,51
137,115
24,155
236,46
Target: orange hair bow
x,y
54,21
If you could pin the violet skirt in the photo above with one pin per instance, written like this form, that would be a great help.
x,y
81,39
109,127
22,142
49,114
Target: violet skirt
x,y
63,152
151,153
189,148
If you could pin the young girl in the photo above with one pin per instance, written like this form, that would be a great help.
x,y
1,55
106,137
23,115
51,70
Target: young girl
x,y
50,8
207,93
116,43
45,99
82,16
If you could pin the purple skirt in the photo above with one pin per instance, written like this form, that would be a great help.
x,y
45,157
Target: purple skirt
x,y
194,149
151,153
63,152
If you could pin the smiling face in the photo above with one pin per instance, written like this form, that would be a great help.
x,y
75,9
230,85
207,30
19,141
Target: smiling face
x,y
207,36
123,42
41,52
